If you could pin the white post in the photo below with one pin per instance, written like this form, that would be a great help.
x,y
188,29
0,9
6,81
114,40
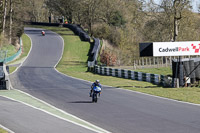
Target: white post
x,y
113,72
98,69
132,75
103,71
126,73
119,73
107,71
139,76
148,77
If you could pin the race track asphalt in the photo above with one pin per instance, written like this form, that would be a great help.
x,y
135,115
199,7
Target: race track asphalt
x,y
21,118
118,111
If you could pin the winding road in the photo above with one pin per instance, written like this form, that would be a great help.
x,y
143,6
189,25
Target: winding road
x,y
118,111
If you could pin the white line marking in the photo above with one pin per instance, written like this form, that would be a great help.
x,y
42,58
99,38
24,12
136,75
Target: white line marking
x,y
99,130
62,48
63,112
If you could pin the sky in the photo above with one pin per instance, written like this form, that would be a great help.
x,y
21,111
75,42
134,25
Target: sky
x,y
195,4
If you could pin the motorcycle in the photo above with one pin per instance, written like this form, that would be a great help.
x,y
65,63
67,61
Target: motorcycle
x,y
96,92
43,33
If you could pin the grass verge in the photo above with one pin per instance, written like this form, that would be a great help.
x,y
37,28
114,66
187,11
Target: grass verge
x,y
3,131
74,63
12,69
158,70
10,50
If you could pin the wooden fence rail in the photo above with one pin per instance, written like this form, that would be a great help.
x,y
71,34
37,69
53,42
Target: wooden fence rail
x,y
155,62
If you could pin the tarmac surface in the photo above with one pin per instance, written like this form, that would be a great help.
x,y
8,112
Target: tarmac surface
x,y
118,110
21,118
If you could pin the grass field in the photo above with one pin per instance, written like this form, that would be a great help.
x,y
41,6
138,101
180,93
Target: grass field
x,y
3,131
157,70
74,63
161,70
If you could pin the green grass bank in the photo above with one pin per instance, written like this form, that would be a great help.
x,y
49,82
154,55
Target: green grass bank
x,y
3,131
9,49
26,45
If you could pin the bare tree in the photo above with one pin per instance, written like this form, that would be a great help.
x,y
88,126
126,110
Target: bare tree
x,y
11,22
64,8
1,14
165,19
175,9
178,7
4,16
91,7
199,8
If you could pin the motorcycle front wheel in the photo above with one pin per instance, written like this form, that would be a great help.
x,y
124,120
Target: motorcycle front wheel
x,y
94,97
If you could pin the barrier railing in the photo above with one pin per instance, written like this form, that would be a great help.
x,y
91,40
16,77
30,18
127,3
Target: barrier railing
x,y
13,57
4,78
128,74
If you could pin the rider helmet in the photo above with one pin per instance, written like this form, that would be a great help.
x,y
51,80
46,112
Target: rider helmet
x,y
97,81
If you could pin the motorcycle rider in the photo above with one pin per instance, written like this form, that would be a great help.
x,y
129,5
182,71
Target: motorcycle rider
x,y
43,33
96,83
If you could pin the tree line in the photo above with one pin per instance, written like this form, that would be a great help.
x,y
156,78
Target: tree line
x,y
122,23
126,23
13,14
11,21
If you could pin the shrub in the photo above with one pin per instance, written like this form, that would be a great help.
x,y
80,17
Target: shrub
x,y
108,58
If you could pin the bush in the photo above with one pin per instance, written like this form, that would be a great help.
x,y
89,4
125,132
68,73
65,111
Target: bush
x,y
102,31
110,33
108,58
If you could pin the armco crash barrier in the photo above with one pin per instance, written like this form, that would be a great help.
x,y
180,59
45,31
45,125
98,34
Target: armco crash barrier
x,y
128,74
93,53
78,31
95,50
4,70
44,24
